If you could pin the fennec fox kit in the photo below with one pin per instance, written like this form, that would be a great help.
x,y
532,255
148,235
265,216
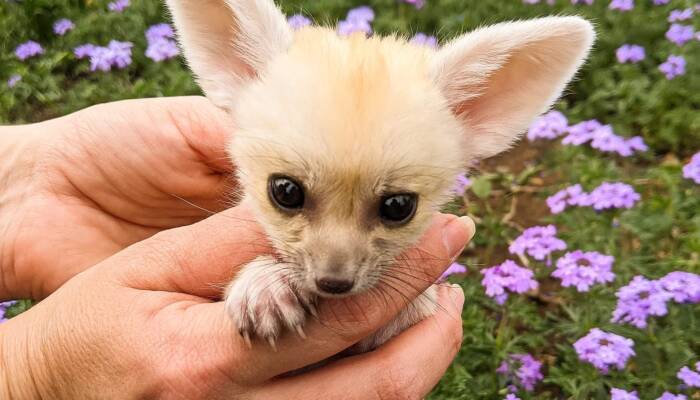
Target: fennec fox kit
x,y
345,147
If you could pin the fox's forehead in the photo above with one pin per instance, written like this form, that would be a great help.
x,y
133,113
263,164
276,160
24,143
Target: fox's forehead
x,y
355,109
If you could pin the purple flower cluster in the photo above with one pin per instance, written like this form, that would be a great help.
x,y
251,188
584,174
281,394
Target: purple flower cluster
x,y
607,195
673,67
692,169
62,26
118,5
621,5
28,49
298,21
358,20
511,396
643,298
548,126
116,54
462,183
584,269
605,140
454,268
661,2
570,196
161,45
601,137
13,80
538,242
507,277
689,377
524,369
604,350
680,15
630,53
619,394
640,299
613,195
680,34
416,3
422,39
3,309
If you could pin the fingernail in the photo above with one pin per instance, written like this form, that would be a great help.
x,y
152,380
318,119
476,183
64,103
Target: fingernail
x,y
456,234
456,293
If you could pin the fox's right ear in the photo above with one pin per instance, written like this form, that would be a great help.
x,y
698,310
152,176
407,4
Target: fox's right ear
x,y
229,42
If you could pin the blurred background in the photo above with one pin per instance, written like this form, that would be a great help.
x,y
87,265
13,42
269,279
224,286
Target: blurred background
x,y
626,131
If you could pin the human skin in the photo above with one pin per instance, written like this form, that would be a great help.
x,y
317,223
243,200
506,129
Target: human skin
x,y
145,322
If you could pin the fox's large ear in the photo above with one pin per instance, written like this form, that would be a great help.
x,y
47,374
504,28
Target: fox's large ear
x,y
229,42
498,79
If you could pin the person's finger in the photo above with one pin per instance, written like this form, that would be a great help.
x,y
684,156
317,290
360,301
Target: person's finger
x,y
341,322
406,367
199,259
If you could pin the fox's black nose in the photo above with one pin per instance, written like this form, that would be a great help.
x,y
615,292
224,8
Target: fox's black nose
x,y
334,286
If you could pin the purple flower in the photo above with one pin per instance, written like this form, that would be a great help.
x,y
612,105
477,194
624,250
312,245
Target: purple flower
x,y
548,126
523,369
613,195
162,49
683,286
422,39
358,20
416,3
298,21
120,53
692,169
689,377
508,276
604,350
14,79
587,2
118,5
671,396
511,396
638,300
571,196
538,242
62,26
582,132
462,183
159,31
673,67
604,139
454,268
619,394
84,50
584,269
630,53
660,2
679,34
28,49
680,15
622,5
3,308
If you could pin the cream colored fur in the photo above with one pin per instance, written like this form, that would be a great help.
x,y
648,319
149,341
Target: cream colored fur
x,y
355,118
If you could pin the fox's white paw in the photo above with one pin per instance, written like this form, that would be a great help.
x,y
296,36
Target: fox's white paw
x,y
262,302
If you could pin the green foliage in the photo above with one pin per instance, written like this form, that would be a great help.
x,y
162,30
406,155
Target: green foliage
x,y
659,235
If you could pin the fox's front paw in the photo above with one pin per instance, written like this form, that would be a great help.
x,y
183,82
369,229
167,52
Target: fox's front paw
x,y
262,301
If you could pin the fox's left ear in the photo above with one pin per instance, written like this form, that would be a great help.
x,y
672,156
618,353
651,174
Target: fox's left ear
x,y
499,78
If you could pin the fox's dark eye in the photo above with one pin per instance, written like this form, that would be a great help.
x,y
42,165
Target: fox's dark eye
x,y
285,193
398,209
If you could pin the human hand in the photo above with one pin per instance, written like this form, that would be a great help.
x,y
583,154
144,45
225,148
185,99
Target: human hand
x,y
98,180
142,324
